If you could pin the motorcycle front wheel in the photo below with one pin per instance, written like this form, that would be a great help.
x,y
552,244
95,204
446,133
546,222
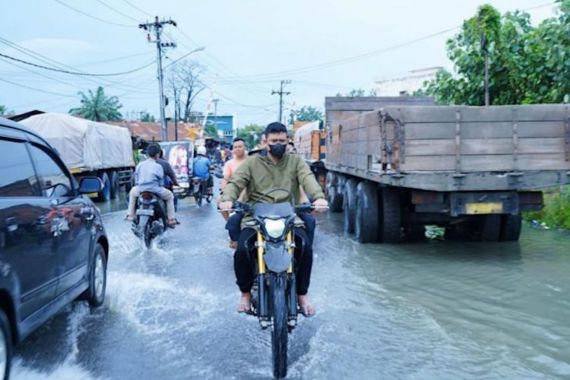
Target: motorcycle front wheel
x,y
280,331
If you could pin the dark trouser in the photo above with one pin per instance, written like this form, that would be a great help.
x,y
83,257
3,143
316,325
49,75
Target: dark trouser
x,y
245,255
233,225
310,226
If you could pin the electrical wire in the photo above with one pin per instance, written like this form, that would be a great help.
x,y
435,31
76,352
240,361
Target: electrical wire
x,y
94,17
40,57
117,11
75,72
36,89
138,9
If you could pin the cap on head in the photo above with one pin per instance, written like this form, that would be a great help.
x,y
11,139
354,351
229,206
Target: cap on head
x,y
153,150
201,150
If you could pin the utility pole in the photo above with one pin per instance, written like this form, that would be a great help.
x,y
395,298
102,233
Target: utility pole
x,y
157,27
176,106
281,93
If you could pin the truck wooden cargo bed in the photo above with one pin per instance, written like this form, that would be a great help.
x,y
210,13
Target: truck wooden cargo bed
x,y
453,148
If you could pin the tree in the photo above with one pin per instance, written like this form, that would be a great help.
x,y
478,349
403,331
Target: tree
x,y
356,92
527,64
211,131
98,106
184,85
148,118
3,110
306,113
251,134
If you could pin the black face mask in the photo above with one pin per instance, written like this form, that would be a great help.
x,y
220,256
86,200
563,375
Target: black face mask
x,y
277,150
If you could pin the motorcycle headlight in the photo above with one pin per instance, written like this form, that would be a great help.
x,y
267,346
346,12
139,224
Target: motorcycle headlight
x,y
274,227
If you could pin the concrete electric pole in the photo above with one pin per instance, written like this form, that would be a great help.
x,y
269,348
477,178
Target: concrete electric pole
x,y
281,93
157,26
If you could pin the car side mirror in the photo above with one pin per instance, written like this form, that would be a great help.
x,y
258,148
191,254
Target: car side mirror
x,y
89,185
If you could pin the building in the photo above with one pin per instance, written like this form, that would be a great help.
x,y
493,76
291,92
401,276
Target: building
x,y
224,124
406,84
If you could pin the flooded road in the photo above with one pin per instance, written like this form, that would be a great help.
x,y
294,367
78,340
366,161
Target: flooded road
x,y
433,310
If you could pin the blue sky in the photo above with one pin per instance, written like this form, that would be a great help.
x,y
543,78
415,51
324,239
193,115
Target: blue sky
x,y
250,46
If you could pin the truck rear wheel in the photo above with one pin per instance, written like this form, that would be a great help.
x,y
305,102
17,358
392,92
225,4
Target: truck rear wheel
x,y
391,216
334,196
114,184
105,194
131,181
510,227
366,215
349,205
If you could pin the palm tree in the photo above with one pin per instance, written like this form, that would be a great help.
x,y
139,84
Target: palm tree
x,y
97,106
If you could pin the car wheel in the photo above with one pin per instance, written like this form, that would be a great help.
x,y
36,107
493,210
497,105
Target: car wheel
x,y
5,347
95,294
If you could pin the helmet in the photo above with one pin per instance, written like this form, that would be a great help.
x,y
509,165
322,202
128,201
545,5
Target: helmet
x,y
201,150
152,150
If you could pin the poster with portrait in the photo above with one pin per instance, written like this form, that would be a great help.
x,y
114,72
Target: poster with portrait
x,y
179,155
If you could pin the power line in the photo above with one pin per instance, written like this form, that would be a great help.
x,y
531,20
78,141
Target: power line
x,y
116,10
51,61
94,17
138,9
36,89
76,72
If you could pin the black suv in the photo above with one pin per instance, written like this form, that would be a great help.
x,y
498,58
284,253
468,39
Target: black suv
x,y
53,247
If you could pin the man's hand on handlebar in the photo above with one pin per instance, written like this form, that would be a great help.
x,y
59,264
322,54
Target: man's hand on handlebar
x,y
225,205
320,205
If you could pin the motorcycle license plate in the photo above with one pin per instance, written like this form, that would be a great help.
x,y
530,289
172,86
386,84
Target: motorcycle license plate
x,y
145,212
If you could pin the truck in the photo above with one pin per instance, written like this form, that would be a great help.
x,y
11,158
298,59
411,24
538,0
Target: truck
x,y
471,169
89,148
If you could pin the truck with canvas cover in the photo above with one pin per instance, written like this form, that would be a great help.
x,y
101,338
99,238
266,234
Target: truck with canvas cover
x,y
89,148
472,169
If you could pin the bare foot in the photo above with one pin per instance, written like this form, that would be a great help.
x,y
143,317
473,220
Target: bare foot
x,y
129,218
244,305
307,308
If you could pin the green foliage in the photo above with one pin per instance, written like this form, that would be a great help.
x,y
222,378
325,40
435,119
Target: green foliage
x,y
98,106
307,113
355,92
556,211
148,118
527,64
3,109
251,134
210,130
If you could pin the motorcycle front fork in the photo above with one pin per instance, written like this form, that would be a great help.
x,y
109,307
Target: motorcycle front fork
x,y
263,288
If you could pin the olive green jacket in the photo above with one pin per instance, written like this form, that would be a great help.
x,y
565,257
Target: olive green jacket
x,y
258,174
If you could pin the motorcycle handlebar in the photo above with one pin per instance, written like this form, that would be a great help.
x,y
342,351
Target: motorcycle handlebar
x,y
243,207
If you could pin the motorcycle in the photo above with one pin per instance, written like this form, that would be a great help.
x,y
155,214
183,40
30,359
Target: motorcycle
x,y
201,190
274,293
150,220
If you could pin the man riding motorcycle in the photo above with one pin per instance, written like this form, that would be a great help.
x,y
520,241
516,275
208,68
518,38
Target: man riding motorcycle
x,y
201,168
149,176
259,174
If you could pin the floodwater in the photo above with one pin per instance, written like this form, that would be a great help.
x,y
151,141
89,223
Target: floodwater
x,y
432,310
